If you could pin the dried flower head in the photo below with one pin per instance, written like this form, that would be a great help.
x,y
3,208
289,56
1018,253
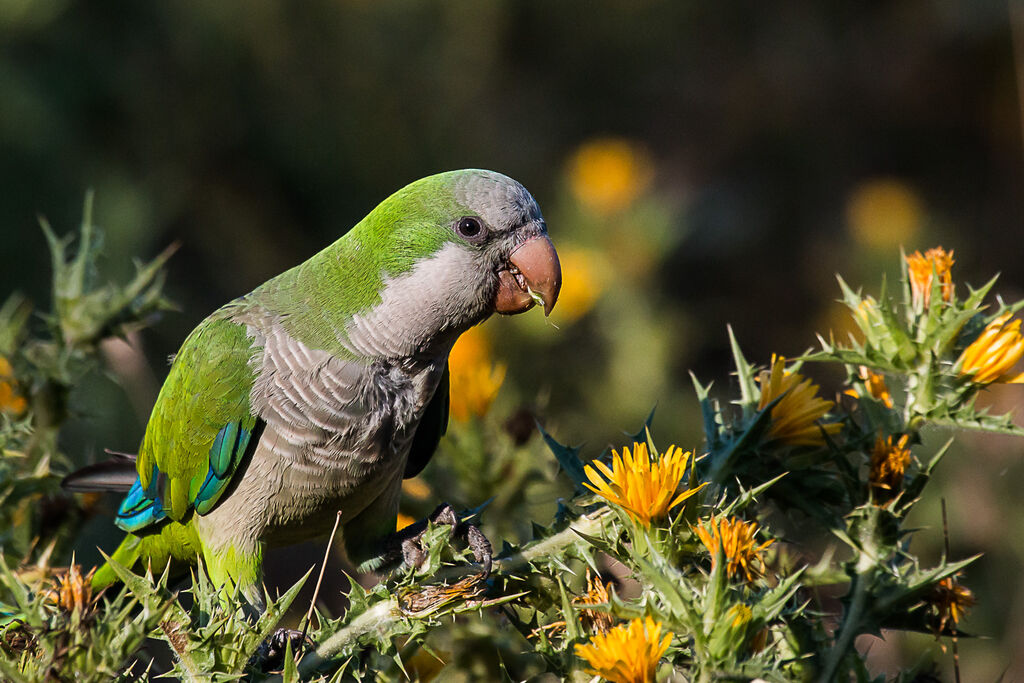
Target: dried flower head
x,y
921,270
597,594
644,488
736,538
72,592
996,350
420,602
592,620
888,465
795,417
626,654
950,601
475,381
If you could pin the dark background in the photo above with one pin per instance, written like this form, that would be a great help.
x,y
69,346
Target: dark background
x,y
757,149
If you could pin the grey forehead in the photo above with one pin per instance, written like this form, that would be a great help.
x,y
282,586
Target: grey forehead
x,y
498,199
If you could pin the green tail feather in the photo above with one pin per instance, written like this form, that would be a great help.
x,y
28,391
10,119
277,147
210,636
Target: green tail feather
x,y
169,542
127,554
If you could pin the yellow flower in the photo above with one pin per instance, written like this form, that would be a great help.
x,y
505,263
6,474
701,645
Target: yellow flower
x,y
607,174
795,417
736,537
626,654
645,489
474,379
888,465
920,270
11,400
989,358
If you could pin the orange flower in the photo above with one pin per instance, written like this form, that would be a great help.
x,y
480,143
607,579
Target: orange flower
x,y
795,417
736,537
888,465
626,654
920,270
645,489
991,356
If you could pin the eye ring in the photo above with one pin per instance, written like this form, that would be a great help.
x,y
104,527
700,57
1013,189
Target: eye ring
x,y
471,229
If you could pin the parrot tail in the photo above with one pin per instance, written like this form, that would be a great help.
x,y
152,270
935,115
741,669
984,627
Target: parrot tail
x,y
116,474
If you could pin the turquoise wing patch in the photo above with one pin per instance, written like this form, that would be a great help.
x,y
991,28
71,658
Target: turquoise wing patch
x,y
144,507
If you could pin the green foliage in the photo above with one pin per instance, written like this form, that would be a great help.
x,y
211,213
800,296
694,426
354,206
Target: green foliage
x,y
726,573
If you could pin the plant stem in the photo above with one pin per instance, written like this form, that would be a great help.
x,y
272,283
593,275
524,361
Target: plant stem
x,y
860,591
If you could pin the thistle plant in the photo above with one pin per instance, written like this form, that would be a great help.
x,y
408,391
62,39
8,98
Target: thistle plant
x,y
637,565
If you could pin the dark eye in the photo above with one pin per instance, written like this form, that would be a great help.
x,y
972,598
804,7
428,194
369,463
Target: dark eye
x,y
471,229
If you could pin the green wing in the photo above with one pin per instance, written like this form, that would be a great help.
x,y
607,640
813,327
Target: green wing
x,y
200,429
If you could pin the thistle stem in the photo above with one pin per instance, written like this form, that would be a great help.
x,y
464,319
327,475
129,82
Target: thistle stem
x,y
860,591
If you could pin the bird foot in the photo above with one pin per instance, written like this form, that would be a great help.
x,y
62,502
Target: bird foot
x,y
270,654
407,544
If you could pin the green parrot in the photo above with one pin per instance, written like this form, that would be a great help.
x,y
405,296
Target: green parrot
x,y
321,389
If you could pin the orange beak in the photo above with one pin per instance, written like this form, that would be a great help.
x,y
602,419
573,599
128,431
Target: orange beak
x,y
533,271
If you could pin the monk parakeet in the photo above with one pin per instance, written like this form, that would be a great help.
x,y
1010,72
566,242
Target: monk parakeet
x,y
322,388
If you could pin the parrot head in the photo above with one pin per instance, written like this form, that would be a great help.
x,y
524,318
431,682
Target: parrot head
x,y
465,244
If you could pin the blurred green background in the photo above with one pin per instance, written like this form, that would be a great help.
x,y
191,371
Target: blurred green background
x,y
699,164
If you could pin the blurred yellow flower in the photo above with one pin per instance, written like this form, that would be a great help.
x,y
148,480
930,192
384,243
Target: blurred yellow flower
x,y
626,654
403,521
644,488
475,381
607,174
11,400
583,281
426,664
874,383
416,488
736,538
921,269
795,417
991,356
883,213
888,465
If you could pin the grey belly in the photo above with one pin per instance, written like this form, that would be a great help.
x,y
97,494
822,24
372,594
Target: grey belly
x,y
284,499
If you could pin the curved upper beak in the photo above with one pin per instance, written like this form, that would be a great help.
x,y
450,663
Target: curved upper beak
x,y
533,272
